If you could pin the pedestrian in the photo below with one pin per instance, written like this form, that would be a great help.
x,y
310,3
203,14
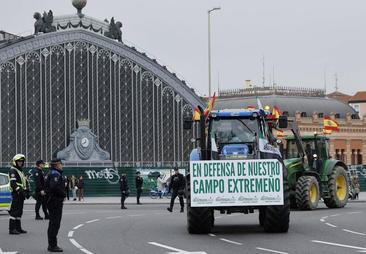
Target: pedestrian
x,y
40,193
18,187
355,186
55,189
138,183
160,184
123,186
80,188
67,187
177,184
73,186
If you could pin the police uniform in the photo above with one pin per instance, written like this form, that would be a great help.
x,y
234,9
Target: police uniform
x,y
38,178
55,189
19,189
138,183
177,184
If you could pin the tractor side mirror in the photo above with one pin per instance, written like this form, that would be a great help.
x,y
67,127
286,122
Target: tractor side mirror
x,y
282,122
187,123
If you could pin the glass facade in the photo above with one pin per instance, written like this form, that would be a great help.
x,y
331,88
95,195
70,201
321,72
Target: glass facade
x,y
136,116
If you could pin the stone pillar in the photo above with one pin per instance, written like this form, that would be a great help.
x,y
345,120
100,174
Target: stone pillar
x,y
363,151
298,116
348,151
348,118
331,148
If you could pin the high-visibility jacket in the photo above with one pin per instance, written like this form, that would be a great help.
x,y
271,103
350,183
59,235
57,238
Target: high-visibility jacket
x,y
18,181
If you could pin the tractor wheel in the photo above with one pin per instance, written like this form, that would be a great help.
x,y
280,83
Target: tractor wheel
x,y
262,216
338,188
277,218
200,220
293,204
307,193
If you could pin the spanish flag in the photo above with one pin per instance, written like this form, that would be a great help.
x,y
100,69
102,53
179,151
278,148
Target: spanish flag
x,y
327,132
275,113
210,105
280,134
196,114
330,124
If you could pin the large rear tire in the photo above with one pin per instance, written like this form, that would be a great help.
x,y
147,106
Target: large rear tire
x,y
277,218
200,220
307,193
338,188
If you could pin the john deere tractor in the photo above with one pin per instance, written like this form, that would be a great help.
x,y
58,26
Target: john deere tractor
x,y
312,173
236,168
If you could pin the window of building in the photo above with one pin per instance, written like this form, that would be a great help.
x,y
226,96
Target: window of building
x,y
337,115
359,157
303,114
320,115
285,113
356,107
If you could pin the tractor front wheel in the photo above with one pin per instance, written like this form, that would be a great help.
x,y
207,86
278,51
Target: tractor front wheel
x,y
200,220
307,193
338,188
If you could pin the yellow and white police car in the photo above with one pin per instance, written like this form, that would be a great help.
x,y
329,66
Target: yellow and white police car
x,y
5,194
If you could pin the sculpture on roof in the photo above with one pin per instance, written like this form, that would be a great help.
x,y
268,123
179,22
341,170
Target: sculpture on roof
x,y
44,24
114,30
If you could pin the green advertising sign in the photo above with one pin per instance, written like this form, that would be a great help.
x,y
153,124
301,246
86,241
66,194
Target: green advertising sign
x,y
236,183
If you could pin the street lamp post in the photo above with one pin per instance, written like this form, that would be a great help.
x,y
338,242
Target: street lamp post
x,y
209,48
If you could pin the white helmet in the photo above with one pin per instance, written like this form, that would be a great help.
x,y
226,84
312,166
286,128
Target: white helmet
x,y
18,157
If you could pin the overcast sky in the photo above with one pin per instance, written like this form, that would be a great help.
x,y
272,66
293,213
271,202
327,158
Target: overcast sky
x,y
301,41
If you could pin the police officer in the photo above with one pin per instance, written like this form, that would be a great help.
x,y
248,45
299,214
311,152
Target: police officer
x,y
19,191
55,189
123,186
40,193
177,184
138,183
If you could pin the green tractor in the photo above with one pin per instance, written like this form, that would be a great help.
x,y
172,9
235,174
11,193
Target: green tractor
x,y
312,173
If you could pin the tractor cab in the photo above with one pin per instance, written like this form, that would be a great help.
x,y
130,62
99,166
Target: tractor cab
x,y
316,150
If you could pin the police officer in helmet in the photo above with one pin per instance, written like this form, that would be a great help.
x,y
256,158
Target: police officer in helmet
x,y
19,191
55,189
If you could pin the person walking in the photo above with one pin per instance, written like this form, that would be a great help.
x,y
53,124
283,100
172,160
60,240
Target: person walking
x,y
123,186
67,187
138,183
177,184
80,185
73,187
160,184
55,189
355,186
40,193
19,188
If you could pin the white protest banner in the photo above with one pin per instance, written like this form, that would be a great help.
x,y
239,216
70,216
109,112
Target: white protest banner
x,y
236,183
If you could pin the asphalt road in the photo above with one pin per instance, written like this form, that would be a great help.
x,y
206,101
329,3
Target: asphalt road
x,y
105,229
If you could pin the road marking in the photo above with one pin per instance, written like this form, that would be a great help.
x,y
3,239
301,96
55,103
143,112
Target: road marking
x,y
70,233
273,251
211,234
75,243
331,225
86,251
325,217
322,220
353,212
177,251
78,226
113,217
91,221
8,252
334,215
229,241
353,232
340,245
